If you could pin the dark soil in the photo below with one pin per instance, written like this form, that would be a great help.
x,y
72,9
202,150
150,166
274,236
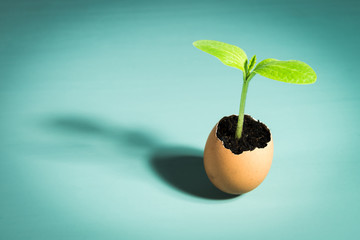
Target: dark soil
x,y
255,134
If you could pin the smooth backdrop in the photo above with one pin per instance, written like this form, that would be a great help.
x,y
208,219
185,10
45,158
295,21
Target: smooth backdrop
x,y
105,107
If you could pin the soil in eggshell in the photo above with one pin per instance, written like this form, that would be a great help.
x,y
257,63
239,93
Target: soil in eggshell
x,y
255,134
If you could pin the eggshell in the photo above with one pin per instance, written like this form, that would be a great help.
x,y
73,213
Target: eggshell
x,y
236,173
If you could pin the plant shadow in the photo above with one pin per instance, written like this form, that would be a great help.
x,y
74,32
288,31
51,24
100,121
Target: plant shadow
x,y
180,167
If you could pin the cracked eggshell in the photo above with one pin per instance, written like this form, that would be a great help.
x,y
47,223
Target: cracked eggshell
x,y
236,173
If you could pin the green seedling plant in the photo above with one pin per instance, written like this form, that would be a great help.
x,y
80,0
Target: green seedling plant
x,y
291,71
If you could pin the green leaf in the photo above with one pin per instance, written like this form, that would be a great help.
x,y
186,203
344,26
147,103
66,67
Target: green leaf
x,y
246,65
264,62
252,63
291,71
228,54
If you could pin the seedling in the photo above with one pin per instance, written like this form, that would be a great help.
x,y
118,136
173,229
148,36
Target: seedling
x,y
291,71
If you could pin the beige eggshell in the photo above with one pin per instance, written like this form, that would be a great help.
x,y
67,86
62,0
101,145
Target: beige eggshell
x,y
236,173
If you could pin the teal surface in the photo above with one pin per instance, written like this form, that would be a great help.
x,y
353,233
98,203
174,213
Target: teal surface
x,y
106,107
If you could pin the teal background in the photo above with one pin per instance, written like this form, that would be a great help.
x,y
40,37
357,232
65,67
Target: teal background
x,y
106,107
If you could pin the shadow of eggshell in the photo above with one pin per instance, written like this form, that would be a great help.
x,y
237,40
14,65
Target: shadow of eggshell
x,y
183,169
236,173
